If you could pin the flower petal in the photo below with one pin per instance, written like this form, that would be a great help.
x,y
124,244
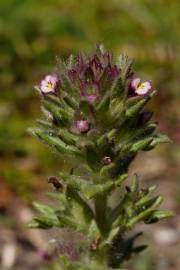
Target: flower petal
x,y
135,82
143,88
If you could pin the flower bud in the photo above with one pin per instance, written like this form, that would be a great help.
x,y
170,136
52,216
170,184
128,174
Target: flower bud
x,y
82,126
72,74
91,98
106,160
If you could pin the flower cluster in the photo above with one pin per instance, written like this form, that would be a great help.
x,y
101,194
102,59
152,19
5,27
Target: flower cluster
x,y
88,75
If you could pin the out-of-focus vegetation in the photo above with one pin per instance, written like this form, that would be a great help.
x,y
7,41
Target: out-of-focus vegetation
x,y
34,32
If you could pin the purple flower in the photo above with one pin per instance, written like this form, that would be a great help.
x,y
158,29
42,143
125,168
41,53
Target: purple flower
x,y
89,73
140,88
113,71
96,64
82,125
49,84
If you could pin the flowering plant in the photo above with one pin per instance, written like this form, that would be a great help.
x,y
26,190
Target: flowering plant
x,y
94,117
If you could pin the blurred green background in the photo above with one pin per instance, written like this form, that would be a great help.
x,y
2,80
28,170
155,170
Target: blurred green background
x,y
34,32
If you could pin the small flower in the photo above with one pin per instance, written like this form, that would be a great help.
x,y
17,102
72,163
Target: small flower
x,y
49,84
140,88
113,71
106,160
82,125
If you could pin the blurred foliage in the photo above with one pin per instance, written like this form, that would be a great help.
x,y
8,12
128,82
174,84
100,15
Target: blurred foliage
x,y
144,262
33,32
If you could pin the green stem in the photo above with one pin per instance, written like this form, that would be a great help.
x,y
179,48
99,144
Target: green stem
x,y
100,213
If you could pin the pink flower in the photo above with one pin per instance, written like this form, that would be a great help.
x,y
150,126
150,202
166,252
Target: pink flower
x,y
82,125
140,88
49,84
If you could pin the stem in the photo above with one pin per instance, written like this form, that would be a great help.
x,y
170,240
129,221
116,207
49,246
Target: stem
x,y
100,213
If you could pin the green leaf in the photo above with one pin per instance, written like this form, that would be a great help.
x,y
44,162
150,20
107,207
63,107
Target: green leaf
x,y
157,215
88,189
93,231
44,124
67,136
135,184
79,208
55,142
143,211
106,170
143,133
146,195
61,198
120,179
86,108
141,145
124,63
91,156
43,209
68,86
72,60
116,108
105,81
117,88
103,105
44,222
38,223
67,221
160,138
135,109
64,116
